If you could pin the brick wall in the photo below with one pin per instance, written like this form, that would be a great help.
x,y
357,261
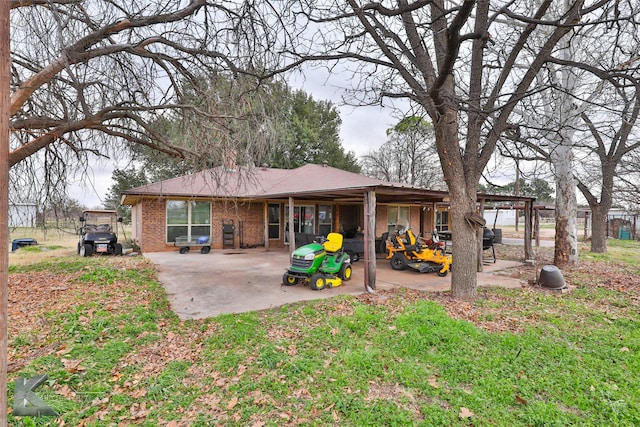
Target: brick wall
x,y
152,233
153,226
152,236
247,218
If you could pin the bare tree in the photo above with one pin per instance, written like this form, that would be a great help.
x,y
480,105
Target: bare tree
x,y
408,156
584,123
440,56
613,140
90,75
627,193
5,59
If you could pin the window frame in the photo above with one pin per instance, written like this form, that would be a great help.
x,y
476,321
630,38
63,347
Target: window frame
x,y
327,221
192,223
399,210
274,224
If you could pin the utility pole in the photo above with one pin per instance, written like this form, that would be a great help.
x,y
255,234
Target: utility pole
x,y
5,67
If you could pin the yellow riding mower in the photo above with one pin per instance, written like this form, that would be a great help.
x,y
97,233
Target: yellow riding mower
x,y
407,251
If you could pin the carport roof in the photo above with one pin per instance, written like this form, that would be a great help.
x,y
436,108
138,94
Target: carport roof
x,y
309,181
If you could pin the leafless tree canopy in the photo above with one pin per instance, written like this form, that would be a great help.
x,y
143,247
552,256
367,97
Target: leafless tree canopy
x,y
408,156
466,64
90,77
587,101
88,73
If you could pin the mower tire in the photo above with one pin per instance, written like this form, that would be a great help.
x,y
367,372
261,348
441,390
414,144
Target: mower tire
x,y
346,271
442,274
317,282
118,249
289,280
399,261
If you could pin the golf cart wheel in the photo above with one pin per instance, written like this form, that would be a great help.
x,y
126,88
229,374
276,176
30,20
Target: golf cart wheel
x,y
345,271
118,249
399,261
317,282
205,249
86,250
440,274
184,249
289,280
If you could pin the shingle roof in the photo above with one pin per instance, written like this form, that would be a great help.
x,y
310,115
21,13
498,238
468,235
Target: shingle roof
x,y
312,181
259,182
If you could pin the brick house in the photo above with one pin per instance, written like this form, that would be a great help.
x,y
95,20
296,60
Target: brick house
x,y
250,207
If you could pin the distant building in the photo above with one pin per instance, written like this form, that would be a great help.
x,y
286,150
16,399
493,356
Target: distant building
x,y
505,217
622,224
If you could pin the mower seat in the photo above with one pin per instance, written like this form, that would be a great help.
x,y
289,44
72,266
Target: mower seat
x,y
333,242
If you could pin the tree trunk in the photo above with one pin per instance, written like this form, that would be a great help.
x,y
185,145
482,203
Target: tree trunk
x,y
599,229
462,191
566,248
465,256
5,60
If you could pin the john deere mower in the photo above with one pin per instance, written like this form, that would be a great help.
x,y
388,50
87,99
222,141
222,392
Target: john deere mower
x,y
405,250
323,264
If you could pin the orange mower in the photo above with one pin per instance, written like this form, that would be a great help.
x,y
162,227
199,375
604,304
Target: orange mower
x,y
405,250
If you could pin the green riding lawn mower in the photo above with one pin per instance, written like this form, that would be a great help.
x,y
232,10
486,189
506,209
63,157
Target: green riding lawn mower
x,y
323,263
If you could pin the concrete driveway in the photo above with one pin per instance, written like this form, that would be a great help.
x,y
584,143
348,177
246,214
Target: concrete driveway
x,y
236,281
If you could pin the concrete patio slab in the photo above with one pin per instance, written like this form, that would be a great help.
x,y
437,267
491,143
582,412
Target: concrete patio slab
x,y
236,281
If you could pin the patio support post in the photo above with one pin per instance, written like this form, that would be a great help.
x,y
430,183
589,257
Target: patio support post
x,y
369,241
265,219
528,217
292,232
480,236
586,225
536,227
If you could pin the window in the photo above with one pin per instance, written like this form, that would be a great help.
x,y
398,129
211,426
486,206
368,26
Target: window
x,y
397,217
442,219
325,219
304,220
190,219
274,221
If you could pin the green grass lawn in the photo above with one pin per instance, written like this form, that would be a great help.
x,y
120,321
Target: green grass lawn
x,y
115,354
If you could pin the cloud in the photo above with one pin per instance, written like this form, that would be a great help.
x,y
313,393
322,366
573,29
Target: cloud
x,y
91,189
364,127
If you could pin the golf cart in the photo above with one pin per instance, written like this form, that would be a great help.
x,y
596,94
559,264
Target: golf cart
x,y
323,264
97,233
